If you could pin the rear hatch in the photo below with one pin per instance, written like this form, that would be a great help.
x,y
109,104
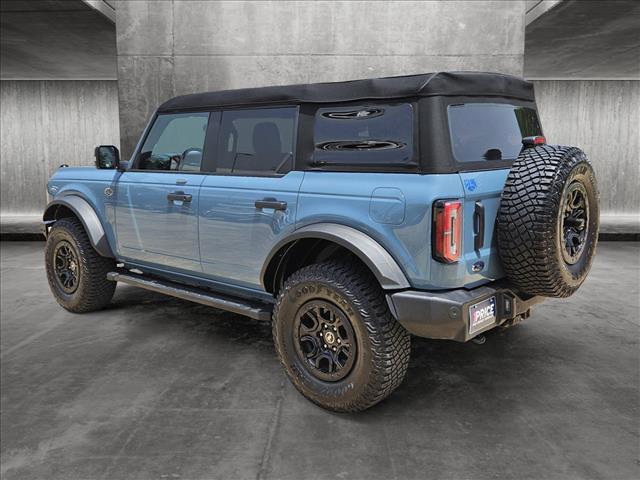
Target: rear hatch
x,y
482,135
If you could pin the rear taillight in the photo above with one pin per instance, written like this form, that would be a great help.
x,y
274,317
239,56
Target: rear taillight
x,y
447,228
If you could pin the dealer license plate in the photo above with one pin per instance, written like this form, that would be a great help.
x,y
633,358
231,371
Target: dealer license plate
x,y
482,314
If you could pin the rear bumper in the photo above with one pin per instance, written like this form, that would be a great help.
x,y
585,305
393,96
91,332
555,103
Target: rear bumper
x,y
445,315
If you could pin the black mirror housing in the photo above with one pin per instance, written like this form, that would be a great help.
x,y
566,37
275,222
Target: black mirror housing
x,y
107,157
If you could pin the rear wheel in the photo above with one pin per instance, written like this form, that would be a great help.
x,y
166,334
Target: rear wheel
x,y
77,274
336,339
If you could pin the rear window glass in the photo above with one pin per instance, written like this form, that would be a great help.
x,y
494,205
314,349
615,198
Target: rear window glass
x,y
488,131
363,135
257,142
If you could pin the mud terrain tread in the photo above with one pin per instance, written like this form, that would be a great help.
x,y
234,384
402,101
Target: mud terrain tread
x,y
526,221
95,291
390,342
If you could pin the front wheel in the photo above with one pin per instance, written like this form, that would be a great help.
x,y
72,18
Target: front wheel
x,y
336,339
77,274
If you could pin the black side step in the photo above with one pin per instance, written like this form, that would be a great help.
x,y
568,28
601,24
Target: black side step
x,y
256,310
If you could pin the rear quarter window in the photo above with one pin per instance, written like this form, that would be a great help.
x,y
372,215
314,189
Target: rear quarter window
x,y
365,135
487,131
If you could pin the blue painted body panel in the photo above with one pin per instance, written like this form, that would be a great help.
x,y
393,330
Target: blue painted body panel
x,y
221,239
484,186
152,229
90,184
235,236
348,199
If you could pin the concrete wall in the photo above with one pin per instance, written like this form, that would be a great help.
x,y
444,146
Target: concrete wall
x,y
583,40
171,48
55,40
44,124
601,117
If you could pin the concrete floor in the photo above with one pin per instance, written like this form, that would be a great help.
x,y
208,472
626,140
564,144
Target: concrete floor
x,y
159,388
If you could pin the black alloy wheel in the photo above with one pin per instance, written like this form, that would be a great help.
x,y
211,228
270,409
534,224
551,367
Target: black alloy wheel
x,y
65,265
325,340
575,222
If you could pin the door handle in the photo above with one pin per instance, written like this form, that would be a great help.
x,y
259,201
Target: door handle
x,y
179,196
478,226
271,203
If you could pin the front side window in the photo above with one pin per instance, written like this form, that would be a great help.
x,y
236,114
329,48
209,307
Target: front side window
x,y
257,142
175,142
366,135
490,131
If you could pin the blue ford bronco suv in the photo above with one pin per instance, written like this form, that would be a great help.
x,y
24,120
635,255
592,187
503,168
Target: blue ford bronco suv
x,y
351,215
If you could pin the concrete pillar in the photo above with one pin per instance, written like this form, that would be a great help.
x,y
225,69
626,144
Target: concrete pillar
x,y
168,48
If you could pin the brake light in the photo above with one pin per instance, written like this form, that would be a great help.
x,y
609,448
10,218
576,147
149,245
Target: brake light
x,y
447,216
534,141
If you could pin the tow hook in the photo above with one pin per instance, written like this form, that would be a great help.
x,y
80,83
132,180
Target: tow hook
x,y
516,320
479,340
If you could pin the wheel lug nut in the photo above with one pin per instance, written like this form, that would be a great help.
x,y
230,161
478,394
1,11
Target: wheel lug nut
x,y
335,349
325,345
339,341
335,329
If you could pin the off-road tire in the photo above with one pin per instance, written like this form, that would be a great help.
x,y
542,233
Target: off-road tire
x,y
529,232
93,291
383,345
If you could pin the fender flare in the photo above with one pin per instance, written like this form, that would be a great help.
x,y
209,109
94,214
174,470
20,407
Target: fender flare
x,y
87,215
373,255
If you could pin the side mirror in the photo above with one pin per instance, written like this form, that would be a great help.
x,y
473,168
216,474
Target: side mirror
x,y
107,157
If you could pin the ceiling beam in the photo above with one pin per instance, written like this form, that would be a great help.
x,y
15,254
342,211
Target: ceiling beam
x,y
103,8
539,9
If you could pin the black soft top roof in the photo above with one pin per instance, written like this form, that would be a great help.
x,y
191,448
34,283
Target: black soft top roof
x,y
421,85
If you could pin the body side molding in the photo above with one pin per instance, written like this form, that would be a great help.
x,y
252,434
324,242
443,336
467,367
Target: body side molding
x,y
87,215
374,256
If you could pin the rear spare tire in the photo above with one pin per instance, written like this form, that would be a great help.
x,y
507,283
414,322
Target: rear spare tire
x,y
547,224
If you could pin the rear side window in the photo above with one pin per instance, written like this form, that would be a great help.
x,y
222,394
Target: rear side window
x,y
257,142
489,131
175,142
367,135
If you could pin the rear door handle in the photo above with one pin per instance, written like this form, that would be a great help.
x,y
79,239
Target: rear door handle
x,y
478,226
179,197
271,203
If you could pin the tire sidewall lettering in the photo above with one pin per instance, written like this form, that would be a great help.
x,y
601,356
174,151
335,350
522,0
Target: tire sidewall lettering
x,y
295,298
309,290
